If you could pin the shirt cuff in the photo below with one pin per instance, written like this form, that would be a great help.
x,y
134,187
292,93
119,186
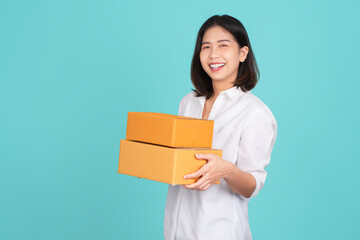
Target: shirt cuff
x,y
257,187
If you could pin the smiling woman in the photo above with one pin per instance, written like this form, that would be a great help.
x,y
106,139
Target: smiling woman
x,y
223,72
231,39
224,53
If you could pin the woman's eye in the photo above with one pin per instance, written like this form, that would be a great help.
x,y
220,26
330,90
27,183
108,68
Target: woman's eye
x,y
205,47
223,45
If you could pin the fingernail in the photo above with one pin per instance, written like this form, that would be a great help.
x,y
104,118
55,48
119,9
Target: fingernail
x,y
197,155
186,176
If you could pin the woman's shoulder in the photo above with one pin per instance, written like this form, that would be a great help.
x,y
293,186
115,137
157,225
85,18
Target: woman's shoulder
x,y
189,101
254,104
251,100
191,96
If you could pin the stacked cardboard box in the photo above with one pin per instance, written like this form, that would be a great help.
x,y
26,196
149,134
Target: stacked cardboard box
x,y
162,147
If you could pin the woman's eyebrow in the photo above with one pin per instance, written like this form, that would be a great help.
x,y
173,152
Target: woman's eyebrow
x,y
223,40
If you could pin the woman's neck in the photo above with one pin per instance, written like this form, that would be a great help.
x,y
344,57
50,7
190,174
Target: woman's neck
x,y
219,87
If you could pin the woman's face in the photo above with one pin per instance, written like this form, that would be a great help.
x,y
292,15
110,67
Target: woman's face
x,y
220,55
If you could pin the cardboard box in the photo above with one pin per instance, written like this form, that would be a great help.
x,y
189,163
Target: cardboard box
x,y
159,163
169,130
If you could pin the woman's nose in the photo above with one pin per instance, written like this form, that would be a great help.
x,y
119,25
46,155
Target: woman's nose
x,y
214,53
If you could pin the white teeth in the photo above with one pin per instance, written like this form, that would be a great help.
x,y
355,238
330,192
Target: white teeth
x,y
217,65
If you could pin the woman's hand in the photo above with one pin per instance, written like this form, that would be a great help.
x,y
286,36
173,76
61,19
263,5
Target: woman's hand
x,y
215,169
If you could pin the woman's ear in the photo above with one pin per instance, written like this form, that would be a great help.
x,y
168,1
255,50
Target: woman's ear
x,y
243,53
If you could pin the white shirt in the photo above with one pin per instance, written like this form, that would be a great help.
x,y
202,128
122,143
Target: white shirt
x,y
245,129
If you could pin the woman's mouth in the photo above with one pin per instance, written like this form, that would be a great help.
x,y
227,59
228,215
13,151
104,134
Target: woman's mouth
x,y
216,66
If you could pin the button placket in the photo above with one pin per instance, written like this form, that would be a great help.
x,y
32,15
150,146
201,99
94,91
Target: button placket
x,y
218,101
202,103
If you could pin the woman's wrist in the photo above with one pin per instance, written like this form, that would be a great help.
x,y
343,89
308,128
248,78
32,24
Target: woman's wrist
x,y
240,182
228,169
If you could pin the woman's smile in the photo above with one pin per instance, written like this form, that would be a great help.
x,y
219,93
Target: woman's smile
x,y
216,66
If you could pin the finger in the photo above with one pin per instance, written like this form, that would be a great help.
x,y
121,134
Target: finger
x,y
196,174
201,172
206,184
207,156
207,187
195,185
202,187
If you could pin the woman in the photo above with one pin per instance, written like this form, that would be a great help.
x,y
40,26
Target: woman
x,y
223,72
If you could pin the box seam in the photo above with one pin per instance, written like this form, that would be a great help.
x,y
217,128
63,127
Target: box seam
x,y
174,167
173,133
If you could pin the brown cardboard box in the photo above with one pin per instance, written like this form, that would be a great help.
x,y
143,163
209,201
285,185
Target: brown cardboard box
x,y
169,130
159,163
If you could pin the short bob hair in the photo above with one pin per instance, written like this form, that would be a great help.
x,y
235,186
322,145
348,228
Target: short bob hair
x,y
248,73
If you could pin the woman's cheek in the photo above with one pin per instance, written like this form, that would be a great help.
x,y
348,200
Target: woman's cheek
x,y
202,58
204,66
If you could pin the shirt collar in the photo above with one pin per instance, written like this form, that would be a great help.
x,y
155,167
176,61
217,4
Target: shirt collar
x,y
232,93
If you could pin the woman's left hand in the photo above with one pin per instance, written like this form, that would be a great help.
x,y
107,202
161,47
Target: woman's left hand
x,y
215,169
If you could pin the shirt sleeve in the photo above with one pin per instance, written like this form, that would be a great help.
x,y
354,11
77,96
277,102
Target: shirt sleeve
x,y
256,143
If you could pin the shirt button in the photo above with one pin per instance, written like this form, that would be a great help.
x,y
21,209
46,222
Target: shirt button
x,y
214,108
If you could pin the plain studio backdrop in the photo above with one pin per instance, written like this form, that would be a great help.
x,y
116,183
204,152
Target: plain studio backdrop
x,y
70,71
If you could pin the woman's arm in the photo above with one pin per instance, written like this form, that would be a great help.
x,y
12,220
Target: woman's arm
x,y
247,175
240,182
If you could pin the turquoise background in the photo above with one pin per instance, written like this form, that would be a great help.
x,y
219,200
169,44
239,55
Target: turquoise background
x,y
71,70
